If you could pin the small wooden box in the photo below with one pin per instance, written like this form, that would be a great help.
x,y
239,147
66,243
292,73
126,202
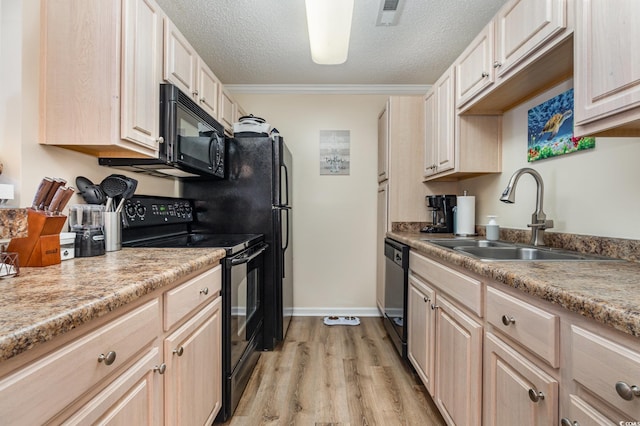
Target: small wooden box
x,y
42,245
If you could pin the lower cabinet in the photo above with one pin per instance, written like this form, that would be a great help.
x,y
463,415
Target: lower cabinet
x,y
118,371
421,329
458,369
517,391
193,381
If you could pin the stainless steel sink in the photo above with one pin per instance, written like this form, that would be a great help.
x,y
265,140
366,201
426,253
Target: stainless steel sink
x,y
501,251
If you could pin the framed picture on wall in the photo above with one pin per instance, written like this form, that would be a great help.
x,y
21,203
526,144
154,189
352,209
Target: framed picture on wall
x,y
335,152
550,129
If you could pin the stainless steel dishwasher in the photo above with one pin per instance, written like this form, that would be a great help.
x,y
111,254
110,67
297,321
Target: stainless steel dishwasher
x,y
396,279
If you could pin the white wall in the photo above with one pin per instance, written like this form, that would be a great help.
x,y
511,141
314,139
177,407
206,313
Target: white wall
x,y
334,217
592,192
25,161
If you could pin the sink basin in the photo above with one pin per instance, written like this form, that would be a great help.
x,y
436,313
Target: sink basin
x,y
500,251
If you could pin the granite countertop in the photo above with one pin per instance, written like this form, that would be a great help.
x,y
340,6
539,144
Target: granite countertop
x,y
43,303
607,292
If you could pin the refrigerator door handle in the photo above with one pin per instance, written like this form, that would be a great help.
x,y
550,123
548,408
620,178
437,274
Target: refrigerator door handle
x,y
286,244
286,184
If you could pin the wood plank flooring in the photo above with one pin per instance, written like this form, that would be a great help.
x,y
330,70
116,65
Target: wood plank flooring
x,y
334,375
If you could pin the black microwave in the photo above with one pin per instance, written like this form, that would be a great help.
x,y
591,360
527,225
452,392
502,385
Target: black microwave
x,y
193,143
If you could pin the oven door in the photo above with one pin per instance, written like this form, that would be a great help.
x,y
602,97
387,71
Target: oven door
x,y
245,316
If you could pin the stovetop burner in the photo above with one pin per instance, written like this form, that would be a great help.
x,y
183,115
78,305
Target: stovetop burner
x,y
231,243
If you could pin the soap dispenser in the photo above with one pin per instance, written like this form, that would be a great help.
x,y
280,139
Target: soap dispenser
x,y
493,230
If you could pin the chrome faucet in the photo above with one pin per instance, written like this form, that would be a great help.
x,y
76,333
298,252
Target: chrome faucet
x,y
539,221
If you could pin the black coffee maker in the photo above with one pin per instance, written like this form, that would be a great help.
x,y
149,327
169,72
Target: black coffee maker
x,y
441,207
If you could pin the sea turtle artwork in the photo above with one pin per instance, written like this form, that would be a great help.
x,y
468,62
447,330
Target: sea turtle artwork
x,y
553,125
550,129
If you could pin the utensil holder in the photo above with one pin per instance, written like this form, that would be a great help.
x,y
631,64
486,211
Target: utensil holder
x,y
112,231
41,247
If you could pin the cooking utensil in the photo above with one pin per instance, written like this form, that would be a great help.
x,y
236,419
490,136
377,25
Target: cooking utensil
x,y
113,186
89,191
132,184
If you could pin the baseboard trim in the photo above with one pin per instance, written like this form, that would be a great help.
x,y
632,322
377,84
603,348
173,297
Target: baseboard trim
x,y
321,312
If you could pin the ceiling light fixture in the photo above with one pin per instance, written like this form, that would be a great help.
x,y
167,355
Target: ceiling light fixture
x,y
329,23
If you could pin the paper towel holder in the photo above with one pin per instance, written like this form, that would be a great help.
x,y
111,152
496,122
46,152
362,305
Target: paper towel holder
x,y
464,216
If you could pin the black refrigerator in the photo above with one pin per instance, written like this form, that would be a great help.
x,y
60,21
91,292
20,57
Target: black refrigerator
x,y
255,198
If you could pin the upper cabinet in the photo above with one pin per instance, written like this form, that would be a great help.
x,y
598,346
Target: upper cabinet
x,y
383,144
525,49
607,71
184,68
100,90
227,112
456,146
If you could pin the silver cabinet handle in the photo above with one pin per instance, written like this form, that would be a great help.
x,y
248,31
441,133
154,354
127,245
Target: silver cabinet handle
x,y
204,291
507,320
194,93
566,422
497,64
160,368
179,351
434,306
627,392
160,140
485,74
535,396
426,299
108,359
203,100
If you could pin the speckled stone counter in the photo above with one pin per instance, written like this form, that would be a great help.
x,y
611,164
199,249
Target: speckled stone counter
x,y
607,292
43,303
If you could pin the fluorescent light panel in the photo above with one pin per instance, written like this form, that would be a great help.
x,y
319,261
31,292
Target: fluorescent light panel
x,y
329,23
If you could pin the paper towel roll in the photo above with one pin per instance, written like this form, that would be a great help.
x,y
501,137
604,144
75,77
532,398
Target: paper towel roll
x,y
465,215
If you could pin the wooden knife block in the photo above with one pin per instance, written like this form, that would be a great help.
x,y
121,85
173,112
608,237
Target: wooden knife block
x,y
41,247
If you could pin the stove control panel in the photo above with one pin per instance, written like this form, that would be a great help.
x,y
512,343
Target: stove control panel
x,y
143,210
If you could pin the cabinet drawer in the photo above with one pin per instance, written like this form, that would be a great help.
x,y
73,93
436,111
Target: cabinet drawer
x,y
460,287
183,299
35,393
598,364
532,327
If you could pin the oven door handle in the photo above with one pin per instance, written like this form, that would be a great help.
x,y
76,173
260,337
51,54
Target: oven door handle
x,y
245,259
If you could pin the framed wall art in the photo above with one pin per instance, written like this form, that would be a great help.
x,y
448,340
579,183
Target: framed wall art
x,y
335,152
550,129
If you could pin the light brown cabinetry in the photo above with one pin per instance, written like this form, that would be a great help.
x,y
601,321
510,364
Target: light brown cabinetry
x,y
517,391
383,144
193,382
116,371
604,378
227,111
607,75
101,65
186,69
455,146
421,329
382,226
455,380
525,49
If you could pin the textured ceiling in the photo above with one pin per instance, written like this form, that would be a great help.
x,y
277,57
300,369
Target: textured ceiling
x,y
266,41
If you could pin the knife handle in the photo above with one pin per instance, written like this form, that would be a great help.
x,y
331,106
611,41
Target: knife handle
x,y
41,192
55,201
57,183
66,196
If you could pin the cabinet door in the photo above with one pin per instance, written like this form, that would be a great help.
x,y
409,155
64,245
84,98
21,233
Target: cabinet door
x,y
607,76
580,413
208,89
421,330
141,65
382,230
458,368
180,60
193,379
134,398
517,392
227,111
474,68
430,145
522,26
383,144
445,122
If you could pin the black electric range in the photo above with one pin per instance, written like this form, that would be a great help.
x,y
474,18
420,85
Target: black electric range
x,y
161,222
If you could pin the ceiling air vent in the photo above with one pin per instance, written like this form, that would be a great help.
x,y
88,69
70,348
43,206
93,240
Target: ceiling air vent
x,y
389,12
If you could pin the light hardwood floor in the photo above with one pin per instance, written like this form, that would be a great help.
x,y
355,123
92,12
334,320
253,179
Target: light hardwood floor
x,y
334,375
